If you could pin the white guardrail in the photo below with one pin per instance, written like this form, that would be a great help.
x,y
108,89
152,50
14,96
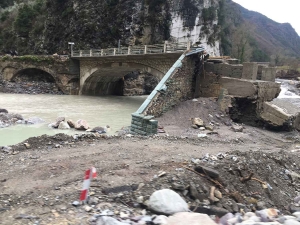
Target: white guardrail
x,y
134,50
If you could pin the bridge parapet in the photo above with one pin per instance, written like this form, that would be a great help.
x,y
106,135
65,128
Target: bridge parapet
x,y
134,50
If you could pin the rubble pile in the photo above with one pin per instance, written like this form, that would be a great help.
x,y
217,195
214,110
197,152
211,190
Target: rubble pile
x,y
228,188
215,189
30,87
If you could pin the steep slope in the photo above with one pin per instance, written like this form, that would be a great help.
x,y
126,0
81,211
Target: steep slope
x,y
46,26
272,35
266,35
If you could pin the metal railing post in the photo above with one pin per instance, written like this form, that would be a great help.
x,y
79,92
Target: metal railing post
x,y
80,53
129,50
165,47
101,52
146,49
115,51
91,52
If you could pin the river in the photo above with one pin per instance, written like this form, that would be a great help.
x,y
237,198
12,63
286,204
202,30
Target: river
x,y
114,111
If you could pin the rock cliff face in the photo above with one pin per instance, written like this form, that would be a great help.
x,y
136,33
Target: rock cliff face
x,y
46,26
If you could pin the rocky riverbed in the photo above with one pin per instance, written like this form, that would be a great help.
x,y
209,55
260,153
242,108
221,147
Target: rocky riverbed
x,y
32,87
8,119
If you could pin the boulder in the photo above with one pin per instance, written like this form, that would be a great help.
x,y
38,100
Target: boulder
x,y
81,125
184,218
71,123
167,202
3,111
198,122
100,130
63,125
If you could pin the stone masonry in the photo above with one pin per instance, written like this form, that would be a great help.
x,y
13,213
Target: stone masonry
x,y
64,72
180,87
143,125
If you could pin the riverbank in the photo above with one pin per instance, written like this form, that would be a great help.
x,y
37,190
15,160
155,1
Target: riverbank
x,y
42,178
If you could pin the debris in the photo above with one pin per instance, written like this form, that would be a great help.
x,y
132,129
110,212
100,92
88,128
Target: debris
x,y
27,145
207,171
237,128
198,122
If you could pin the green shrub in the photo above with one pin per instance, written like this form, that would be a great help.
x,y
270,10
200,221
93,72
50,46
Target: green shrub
x,y
25,19
4,16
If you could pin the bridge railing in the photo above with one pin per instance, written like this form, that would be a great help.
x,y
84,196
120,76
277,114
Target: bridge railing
x,y
133,50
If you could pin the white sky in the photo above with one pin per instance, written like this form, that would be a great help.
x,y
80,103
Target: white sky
x,y
282,11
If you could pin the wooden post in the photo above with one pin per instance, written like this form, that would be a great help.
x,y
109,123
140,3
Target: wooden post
x,y
91,52
146,49
80,53
115,51
101,52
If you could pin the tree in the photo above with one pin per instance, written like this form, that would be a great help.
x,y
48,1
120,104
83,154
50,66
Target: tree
x,y
241,48
24,21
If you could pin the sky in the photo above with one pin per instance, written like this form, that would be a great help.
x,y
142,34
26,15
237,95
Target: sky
x,y
282,11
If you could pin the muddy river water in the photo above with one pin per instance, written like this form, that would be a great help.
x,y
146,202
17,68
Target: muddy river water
x,y
97,111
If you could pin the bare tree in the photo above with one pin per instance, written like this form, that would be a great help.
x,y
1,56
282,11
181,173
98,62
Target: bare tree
x,y
241,48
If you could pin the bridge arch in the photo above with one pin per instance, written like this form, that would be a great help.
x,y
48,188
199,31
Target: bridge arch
x,y
38,77
33,74
108,78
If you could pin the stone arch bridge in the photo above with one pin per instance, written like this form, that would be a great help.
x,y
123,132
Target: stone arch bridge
x,y
104,76
58,70
97,72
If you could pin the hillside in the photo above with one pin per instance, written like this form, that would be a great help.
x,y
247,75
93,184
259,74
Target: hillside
x,y
46,26
222,26
266,35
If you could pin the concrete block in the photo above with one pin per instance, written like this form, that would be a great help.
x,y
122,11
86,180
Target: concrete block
x,y
237,87
250,71
281,113
268,74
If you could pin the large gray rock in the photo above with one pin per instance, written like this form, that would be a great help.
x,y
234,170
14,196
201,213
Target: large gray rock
x,y
167,202
105,220
100,130
186,218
